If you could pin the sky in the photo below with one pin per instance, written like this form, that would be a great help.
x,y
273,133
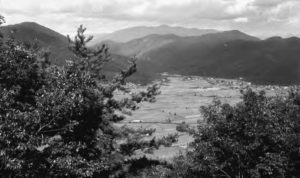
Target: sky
x,y
261,18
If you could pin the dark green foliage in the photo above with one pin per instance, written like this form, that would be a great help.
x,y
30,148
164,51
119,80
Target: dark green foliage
x,y
168,140
1,22
259,137
150,168
126,131
182,127
141,139
58,121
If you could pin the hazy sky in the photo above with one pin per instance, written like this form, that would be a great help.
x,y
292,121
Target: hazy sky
x,y
257,17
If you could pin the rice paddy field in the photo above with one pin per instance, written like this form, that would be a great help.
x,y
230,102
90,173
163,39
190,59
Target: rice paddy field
x,y
180,100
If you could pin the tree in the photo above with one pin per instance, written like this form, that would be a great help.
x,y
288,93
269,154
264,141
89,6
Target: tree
x,y
1,22
59,121
259,137
183,127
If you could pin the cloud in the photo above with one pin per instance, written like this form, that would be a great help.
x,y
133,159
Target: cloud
x,y
241,20
239,7
253,16
269,3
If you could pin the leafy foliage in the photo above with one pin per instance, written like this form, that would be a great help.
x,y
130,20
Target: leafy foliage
x,y
259,137
168,140
157,169
59,121
183,127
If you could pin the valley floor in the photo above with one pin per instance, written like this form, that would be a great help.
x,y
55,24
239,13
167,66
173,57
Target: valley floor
x,y
180,100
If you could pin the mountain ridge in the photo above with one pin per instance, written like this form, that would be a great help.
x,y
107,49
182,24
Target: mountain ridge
x,y
270,61
139,47
45,37
228,54
131,33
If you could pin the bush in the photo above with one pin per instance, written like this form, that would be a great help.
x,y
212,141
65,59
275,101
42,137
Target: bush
x,y
259,137
183,127
168,140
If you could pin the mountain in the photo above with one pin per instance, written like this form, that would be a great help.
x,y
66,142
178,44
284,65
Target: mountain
x,y
58,45
45,37
230,55
132,33
138,47
144,75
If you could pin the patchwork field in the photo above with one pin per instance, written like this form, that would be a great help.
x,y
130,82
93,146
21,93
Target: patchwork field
x,y
180,100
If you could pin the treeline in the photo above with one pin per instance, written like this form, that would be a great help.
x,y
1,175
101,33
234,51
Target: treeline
x,y
59,122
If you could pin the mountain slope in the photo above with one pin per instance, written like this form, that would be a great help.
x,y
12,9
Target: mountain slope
x,y
138,47
132,33
46,38
58,45
271,61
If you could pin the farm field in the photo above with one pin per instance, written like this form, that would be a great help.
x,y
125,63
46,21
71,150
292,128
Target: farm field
x,y
180,100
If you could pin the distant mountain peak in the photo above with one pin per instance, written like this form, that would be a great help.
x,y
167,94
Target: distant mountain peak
x,y
274,38
34,27
46,38
163,25
128,34
29,23
234,32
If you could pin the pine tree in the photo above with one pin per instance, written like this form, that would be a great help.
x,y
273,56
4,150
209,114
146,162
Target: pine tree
x,y
59,121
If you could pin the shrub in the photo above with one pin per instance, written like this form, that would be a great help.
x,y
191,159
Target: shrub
x,y
259,137
183,127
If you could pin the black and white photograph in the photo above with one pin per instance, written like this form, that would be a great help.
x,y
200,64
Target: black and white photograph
x,y
150,88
